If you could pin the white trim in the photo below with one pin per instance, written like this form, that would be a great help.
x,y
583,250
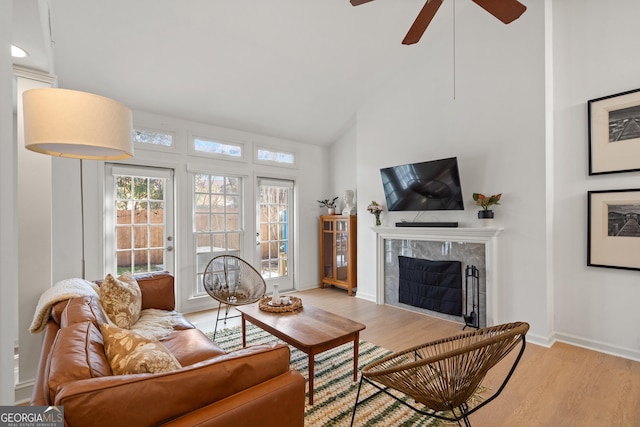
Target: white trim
x,y
487,236
284,183
627,353
36,75
212,169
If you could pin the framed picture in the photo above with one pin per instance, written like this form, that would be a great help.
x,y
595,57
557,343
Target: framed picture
x,y
614,133
614,229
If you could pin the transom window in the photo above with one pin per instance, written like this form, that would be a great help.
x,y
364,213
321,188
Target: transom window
x,y
153,138
219,148
274,156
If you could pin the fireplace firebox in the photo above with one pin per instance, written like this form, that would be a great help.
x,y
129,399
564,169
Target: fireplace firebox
x,y
433,285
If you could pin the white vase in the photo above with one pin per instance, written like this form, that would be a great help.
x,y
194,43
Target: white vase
x,y
275,297
486,222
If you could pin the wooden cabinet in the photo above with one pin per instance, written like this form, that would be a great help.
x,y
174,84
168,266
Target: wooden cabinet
x,y
338,249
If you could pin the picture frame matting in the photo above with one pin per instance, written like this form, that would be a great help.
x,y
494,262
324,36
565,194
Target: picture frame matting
x,y
613,235
614,133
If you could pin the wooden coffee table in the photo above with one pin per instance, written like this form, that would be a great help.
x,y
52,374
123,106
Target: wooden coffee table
x,y
310,330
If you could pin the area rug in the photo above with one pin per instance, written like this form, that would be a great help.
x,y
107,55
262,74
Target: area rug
x,y
335,391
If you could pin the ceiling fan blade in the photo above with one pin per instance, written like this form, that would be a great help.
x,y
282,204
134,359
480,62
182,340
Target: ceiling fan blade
x,y
422,21
359,2
505,10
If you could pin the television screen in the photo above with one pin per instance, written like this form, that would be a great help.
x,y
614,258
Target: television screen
x,y
426,186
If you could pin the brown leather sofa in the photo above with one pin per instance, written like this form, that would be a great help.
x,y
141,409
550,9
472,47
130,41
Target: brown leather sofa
x,y
248,387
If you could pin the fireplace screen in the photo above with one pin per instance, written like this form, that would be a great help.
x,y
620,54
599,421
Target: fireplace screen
x,y
433,285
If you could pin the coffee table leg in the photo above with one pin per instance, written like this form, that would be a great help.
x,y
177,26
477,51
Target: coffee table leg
x,y
244,331
312,362
355,357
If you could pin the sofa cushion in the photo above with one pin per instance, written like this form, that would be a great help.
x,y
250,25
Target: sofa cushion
x,y
77,353
186,389
121,299
131,353
157,290
191,346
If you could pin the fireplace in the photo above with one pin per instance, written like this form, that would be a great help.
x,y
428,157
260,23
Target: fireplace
x,y
469,246
432,285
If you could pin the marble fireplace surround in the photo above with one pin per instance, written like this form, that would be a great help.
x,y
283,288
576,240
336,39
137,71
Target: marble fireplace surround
x,y
477,245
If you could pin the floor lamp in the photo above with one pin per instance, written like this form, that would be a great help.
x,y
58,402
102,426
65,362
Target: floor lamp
x,y
78,125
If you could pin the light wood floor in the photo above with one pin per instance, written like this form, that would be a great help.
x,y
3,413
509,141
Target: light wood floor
x,y
559,386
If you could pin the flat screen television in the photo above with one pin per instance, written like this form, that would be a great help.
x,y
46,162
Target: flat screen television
x,y
427,186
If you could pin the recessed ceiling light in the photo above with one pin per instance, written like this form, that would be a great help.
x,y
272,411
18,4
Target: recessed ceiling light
x,y
17,52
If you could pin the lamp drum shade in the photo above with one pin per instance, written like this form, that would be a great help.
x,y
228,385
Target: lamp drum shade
x,y
79,125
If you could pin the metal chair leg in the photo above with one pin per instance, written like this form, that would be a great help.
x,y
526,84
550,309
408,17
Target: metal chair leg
x,y
353,413
215,330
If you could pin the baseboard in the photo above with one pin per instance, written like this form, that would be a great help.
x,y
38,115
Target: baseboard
x,y
366,297
23,392
625,353
540,340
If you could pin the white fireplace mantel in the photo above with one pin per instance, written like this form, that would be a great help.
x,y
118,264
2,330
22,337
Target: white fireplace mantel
x,y
486,235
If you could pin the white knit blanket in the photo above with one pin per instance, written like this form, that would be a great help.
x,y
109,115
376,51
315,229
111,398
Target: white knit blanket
x,y
63,290
153,323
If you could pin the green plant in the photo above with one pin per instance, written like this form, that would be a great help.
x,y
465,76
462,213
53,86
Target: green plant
x,y
328,203
485,202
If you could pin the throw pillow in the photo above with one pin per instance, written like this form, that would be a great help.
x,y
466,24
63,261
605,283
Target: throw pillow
x,y
121,299
130,353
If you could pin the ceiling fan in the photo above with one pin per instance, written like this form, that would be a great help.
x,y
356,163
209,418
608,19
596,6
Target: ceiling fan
x,y
505,10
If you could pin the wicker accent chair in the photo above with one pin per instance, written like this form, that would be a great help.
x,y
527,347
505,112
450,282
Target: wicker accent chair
x,y
232,281
444,374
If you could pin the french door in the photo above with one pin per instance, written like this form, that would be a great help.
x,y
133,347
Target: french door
x,y
139,219
274,235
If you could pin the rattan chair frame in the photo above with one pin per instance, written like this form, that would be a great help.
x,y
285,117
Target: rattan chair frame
x,y
230,297
444,374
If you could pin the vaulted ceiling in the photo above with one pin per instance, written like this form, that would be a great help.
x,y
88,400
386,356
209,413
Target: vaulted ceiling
x,y
294,69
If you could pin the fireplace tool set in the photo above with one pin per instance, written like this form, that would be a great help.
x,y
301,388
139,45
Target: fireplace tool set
x,y
472,280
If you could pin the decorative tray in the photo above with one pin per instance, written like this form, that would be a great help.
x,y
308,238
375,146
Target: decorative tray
x,y
265,304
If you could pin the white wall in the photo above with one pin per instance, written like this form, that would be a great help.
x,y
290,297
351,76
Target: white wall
x,y
594,41
496,127
343,166
8,224
309,175
488,111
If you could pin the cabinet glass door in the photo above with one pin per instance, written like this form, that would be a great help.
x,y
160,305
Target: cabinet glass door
x,y
327,256
342,249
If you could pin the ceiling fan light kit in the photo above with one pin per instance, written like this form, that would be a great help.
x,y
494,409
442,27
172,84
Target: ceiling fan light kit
x,y
506,11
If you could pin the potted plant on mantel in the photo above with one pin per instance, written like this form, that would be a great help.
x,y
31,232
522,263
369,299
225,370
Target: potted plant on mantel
x,y
330,204
485,202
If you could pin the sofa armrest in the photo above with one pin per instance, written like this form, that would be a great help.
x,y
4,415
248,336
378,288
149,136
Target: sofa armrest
x,y
149,399
40,393
277,402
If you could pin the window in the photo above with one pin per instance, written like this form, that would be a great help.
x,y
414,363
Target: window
x,y
283,158
217,148
153,138
217,219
